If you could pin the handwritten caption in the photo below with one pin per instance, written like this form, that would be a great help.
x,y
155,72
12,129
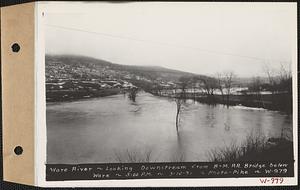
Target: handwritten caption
x,y
58,172
273,180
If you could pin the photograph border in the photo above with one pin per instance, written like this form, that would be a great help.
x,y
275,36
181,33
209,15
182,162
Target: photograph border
x,y
41,134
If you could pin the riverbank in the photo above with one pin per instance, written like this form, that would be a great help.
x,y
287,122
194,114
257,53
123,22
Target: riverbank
x,y
70,95
254,148
277,101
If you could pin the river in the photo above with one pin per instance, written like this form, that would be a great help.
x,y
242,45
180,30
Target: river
x,y
115,129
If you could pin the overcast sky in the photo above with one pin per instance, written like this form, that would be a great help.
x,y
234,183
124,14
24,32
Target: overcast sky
x,y
202,38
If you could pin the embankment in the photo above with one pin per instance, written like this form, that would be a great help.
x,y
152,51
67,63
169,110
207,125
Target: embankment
x,y
69,95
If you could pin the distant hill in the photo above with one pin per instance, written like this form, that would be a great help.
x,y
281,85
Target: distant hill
x,y
73,66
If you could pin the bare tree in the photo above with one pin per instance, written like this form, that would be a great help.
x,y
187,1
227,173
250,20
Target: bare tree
x,y
179,103
280,82
256,88
184,82
132,94
196,82
228,80
270,72
209,86
220,82
285,78
194,89
256,85
157,89
279,79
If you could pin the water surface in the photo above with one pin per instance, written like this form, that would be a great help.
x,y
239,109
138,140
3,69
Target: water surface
x,y
114,129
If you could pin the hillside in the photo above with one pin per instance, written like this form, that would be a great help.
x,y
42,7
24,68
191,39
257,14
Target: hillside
x,y
81,67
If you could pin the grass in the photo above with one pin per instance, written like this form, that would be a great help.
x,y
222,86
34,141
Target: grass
x,y
178,158
134,156
146,156
254,148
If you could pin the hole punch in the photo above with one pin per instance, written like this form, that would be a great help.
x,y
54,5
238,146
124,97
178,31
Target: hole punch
x,y
15,47
18,150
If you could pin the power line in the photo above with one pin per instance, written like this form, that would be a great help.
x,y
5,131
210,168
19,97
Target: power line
x,y
162,43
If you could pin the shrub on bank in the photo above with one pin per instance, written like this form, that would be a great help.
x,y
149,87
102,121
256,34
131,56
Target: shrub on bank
x,y
254,148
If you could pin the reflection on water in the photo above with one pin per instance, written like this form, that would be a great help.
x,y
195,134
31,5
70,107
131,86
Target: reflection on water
x,y
104,129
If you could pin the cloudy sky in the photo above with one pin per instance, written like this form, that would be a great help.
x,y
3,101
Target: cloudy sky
x,y
202,38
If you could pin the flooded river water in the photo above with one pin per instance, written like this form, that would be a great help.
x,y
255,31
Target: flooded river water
x,y
115,129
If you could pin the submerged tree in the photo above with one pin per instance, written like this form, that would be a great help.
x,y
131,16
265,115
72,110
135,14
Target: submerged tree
x,y
228,81
210,85
196,83
184,82
256,87
220,83
132,93
179,102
